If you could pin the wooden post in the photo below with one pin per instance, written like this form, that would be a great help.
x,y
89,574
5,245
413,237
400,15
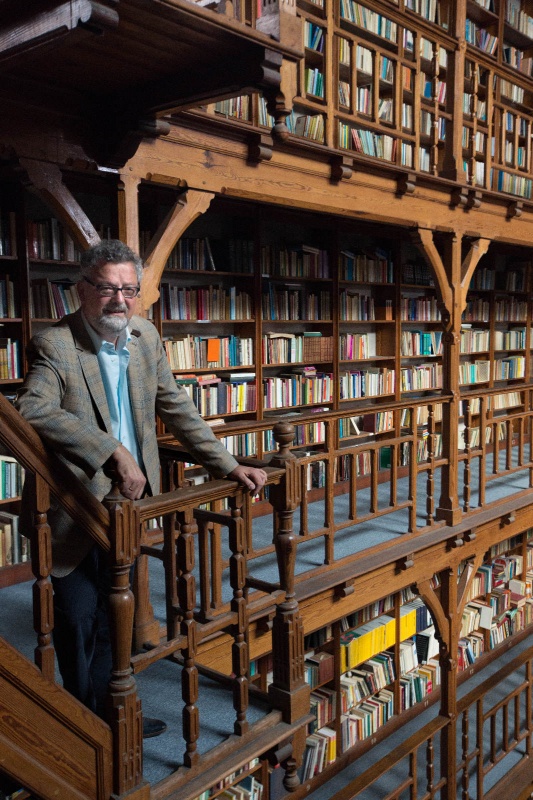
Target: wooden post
x,y
288,691
41,562
448,665
187,601
124,705
240,654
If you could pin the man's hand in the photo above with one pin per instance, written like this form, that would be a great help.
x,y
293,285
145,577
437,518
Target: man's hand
x,y
251,477
131,479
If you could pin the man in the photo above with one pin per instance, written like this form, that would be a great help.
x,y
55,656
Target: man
x,y
96,381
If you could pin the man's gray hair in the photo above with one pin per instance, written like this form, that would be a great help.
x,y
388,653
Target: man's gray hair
x,y
109,251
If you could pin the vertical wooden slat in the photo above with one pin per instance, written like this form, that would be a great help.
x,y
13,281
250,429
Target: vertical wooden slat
x,y
187,599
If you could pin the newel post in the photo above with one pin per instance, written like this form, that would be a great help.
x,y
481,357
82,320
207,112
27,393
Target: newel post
x,y
288,691
124,706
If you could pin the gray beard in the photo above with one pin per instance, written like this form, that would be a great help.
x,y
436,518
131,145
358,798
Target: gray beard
x,y
107,323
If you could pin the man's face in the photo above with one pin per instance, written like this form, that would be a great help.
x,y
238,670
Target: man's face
x,y
108,315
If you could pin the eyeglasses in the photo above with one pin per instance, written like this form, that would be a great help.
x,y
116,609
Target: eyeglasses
x,y
108,290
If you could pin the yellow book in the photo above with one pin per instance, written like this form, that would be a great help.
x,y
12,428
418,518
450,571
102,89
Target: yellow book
x,y
407,622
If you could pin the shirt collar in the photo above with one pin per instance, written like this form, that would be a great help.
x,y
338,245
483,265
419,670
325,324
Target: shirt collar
x,y
98,341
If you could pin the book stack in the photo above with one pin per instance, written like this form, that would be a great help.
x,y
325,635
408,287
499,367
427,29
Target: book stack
x,y
9,359
319,668
14,548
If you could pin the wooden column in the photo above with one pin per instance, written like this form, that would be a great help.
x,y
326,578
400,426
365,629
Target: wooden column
x,y
124,705
449,508
453,148
128,210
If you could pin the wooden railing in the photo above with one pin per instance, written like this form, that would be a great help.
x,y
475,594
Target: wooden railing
x,y
116,526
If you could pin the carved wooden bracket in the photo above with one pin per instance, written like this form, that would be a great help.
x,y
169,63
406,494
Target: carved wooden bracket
x,y
453,544
260,147
341,168
406,183
459,197
474,199
46,180
264,625
344,589
514,209
507,519
466,198
470,536
405,563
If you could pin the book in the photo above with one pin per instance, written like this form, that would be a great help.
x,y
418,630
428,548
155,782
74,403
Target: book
x,y
9,522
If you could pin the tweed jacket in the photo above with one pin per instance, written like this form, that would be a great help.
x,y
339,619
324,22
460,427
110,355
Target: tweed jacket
x,y
63,397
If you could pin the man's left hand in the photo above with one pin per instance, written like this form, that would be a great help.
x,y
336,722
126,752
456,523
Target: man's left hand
x,y
251,477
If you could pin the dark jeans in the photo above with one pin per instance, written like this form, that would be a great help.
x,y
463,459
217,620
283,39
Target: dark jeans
x,y
81,631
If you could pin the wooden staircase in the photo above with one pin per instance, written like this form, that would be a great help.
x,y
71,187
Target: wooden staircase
x,y
49,741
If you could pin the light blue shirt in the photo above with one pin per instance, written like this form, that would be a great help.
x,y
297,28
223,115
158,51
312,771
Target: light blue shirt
x,y
113,362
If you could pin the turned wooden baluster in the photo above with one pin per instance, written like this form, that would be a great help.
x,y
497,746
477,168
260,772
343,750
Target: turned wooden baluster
x,y
240,655
41,564
124,705
288,691
186,584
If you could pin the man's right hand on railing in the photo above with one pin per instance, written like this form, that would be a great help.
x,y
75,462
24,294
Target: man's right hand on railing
x,y
131,478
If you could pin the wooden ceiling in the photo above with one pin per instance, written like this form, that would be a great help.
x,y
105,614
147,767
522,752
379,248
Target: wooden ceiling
x,y
105,71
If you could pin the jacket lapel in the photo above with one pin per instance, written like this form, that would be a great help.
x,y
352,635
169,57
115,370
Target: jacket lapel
x,y
91,370
135,378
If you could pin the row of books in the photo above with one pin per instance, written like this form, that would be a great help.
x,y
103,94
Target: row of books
x,y
297,389
320,751
196,254
476,310
355,306
311,433
367,718
208,352
304,261
11,478
354,346
368,19
7,233
323,702
314,82
295,303
249,788
282,348
419,309
367,266
48,240
204,303
510,310
52,299
474,340
366,383
421,377
9,359
238,107
231,396
310,126
9,307
14,548
421,343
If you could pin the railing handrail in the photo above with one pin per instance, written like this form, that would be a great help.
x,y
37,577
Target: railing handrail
x,y
22,441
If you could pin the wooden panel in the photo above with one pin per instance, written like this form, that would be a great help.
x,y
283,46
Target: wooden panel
x,y
48,738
